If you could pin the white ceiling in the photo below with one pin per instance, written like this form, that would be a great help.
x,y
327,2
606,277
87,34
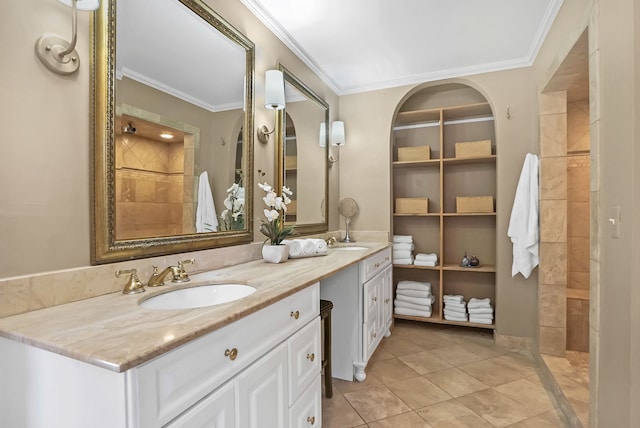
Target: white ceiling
x,y
363,45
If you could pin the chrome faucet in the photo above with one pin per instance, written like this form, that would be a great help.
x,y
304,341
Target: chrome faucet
x,y
178,273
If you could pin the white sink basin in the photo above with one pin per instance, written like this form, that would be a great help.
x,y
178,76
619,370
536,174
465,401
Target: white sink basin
x,y
352,248
198,297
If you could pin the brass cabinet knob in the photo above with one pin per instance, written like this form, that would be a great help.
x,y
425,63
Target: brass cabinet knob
x,y
387,300
295,314
375,298
375,335
311,357
232,354
377,264
311,420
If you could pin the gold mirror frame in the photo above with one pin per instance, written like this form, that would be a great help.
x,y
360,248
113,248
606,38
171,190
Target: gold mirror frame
x,y
299,85
104,247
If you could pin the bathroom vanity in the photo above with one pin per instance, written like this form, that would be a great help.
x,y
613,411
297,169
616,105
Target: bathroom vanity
x,y
108,362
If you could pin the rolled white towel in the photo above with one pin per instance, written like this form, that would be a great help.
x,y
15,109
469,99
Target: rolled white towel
x,y
308,247
295,247
407,239
455,298
321,245
413,312
454,309
428,301
414,285
407,261
401,254
423,263
455,305
413,293
402,304
450,317
403,246
480,320
431,257
479,310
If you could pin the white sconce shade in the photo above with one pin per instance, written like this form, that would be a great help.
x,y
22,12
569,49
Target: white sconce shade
x,y
323,135
274,90
82,4
337,133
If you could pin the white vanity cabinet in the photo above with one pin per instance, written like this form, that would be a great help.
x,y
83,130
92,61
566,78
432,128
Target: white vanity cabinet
x,y
361,315
253,372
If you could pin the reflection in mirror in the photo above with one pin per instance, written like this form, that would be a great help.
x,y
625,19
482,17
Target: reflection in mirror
x,y
175,68
301,159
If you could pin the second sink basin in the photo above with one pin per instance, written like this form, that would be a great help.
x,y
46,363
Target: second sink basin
x,y
351,248
198,297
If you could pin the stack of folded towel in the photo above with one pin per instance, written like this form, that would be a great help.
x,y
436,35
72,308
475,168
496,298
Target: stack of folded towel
x,y
455,309
423,259
480,311
305,247
403,249
413,298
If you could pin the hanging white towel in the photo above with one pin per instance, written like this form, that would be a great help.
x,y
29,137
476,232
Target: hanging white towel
x,y
523,225
206,217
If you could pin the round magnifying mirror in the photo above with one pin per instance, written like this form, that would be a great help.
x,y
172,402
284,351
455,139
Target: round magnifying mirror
x,y
348,207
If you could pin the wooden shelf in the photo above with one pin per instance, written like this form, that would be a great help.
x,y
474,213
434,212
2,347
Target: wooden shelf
x,y
467,214
416,215
405,164
417,267
466,161
481,268
466,111
418,116
437,320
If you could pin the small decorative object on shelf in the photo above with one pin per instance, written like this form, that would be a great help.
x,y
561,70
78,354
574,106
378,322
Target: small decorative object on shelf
x,y
273,250
473,261
465,260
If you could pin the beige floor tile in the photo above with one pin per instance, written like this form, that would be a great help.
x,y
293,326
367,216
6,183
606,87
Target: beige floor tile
x,y
405,420
498,409
425,362
491,372
550,419
520,362
376,403
338,413
418,392
393,370
345,386
398,346
455,382
533,397
452,414
483,349
456,355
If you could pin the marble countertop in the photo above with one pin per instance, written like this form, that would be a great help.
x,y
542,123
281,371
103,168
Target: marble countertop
x,y
114,332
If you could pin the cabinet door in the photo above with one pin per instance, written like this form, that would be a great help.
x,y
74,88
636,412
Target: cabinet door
x,y
307,411
305,358
263,395
387,292
215,411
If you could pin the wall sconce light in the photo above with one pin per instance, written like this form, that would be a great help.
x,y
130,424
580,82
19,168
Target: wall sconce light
x,y
56,53
337,139
273,100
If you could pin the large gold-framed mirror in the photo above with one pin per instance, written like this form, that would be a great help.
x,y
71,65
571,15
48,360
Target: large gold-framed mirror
x,y
172,89
302,153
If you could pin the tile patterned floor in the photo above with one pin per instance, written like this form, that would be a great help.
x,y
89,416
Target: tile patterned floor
x,y
427,375
572,375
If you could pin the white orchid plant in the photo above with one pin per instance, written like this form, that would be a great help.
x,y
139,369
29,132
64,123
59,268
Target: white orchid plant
x,y
232,218
274,228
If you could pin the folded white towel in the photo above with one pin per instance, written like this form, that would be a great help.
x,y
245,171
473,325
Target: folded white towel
x,y
428,301
321,245
403,246
402,304
449,309
455,305
480,320
479,304
455,298
479,310
423,263
401,254
455,318
476,300
431,257
482,316
414,285
407,239
412,312
407,261
414,293
295,247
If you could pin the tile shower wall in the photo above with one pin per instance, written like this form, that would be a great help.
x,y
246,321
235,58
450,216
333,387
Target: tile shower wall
x,y
149,187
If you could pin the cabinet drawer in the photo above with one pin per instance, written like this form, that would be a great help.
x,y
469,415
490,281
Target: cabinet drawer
x,y
305,358
374,264
168,385
217,410
307,411
373,298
